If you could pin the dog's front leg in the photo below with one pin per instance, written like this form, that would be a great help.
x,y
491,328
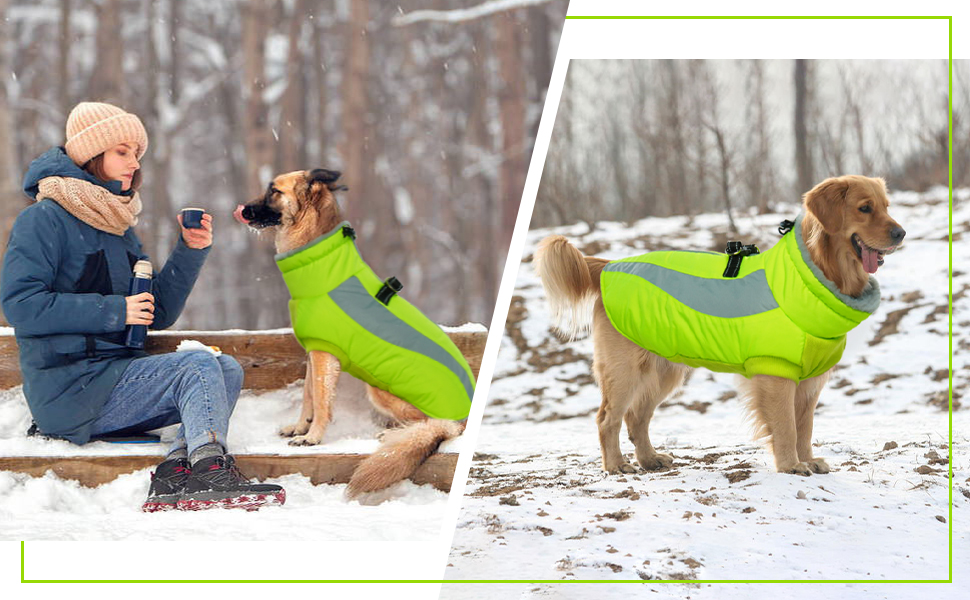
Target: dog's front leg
x,y
325,371
773,402
806,399
306,412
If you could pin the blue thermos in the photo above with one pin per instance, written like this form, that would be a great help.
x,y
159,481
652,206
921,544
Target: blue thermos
x,y
141,281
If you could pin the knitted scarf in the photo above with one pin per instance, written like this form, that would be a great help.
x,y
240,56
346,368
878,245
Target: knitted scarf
x,y
92,203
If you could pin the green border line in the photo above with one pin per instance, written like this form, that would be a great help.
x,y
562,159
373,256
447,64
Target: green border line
x,y
949,450
747,18
650,581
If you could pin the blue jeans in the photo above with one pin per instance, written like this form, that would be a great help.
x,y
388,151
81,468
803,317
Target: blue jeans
x,y
194,388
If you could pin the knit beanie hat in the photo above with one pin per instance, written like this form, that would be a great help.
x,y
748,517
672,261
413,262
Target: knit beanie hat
x,y
95,127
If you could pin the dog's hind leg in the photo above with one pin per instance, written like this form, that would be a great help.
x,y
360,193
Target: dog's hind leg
x,y
772,400
806,399
615,366
306,412
660,378
391,406
324,375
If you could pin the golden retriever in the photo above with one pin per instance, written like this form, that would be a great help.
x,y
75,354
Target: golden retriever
x,y
847,230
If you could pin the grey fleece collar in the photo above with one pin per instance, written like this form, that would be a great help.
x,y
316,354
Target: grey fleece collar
x,y
867,302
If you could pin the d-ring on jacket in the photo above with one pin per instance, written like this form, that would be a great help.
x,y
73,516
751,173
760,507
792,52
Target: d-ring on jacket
x,y
780,316
394,347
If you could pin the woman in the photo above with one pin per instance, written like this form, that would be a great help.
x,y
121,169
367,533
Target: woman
x,y
64,289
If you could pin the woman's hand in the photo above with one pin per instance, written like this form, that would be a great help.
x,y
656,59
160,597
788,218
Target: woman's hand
x,y
140,309
197,239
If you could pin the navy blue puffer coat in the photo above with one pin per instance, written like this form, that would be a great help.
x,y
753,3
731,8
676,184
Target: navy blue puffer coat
x,y
63,289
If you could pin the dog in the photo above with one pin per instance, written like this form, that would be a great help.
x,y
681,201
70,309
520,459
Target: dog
x,y
300,205
845,229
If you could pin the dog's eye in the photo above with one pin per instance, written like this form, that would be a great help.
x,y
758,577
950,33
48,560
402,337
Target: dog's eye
x,y
865,208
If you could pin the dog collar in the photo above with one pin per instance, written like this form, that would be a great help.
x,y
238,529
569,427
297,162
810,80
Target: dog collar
x,y
320,265
846,312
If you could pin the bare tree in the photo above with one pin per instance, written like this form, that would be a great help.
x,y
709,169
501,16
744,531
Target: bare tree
x,y
107,80
292,128
713,123
511,96
355,106
803,155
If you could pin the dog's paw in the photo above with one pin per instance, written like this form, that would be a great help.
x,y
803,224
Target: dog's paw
x,y
620,469
292,430
656,462
800,468
818,465
305,440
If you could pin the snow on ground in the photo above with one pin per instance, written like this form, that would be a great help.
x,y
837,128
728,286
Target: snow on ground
x,y
538,505
49,508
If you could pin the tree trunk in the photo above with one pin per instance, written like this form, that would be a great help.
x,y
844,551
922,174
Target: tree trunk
x,y
511,97
174,67
292,127
107,79
725,177
803,155
541,52
322,140
355,108
259,160
678,200
63,59
11,199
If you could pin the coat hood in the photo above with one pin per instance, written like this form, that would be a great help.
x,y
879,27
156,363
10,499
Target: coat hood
x,y
56,163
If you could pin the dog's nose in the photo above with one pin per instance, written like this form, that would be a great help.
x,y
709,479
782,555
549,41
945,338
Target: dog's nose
x,y
897,234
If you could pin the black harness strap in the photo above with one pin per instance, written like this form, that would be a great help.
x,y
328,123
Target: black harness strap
x,y
736,251
348,231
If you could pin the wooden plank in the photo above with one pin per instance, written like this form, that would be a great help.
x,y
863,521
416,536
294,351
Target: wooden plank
x,y
92,471
271,360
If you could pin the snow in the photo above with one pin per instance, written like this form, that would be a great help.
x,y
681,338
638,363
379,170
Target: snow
x,y
538,506
484,9
49,508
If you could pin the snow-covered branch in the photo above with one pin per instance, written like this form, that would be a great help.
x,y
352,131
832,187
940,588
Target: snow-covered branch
x,y
459,15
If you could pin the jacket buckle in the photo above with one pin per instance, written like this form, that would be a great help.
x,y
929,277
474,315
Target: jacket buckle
x,y
390,288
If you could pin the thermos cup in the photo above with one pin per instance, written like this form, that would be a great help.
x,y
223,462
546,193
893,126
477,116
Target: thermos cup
x,y
141,281
192,218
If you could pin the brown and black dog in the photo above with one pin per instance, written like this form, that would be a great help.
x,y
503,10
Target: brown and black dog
x,y
301,206
847,230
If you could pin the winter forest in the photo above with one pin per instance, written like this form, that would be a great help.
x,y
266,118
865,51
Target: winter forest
x,y
430,115
660,137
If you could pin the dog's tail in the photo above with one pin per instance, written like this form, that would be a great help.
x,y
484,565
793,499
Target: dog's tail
x,y
572,284
402,451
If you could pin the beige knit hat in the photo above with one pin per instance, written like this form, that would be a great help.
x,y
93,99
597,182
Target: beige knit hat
x,y
94,127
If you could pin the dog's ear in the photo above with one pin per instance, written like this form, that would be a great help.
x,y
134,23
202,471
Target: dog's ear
x,y
827,202
326,177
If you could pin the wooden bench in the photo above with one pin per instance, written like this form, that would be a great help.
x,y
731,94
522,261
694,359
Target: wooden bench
x,y
271,360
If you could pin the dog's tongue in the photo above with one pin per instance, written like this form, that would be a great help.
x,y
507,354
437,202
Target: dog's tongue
x,y
870,259
238,215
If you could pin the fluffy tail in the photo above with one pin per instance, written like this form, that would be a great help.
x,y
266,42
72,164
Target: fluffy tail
x,y
572,284
402,451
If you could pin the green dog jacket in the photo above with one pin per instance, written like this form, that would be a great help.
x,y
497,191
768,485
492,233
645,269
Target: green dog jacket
x,y
392,347
780,316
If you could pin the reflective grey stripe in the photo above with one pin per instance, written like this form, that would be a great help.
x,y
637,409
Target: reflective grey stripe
x,y
728,298
353,299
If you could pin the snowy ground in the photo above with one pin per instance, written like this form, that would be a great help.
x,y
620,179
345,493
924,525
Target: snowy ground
x,y
49,508
538,505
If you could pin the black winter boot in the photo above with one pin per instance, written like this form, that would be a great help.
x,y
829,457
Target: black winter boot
x,y
216,482
168,483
